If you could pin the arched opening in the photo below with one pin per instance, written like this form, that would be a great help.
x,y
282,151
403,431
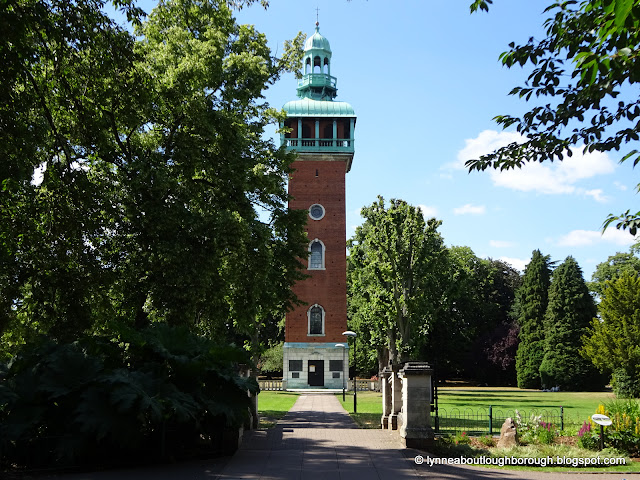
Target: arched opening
x,y
316,255
325,66
317,65
316,320
307,66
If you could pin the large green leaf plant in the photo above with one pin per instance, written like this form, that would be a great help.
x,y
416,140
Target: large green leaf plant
x,y
132,396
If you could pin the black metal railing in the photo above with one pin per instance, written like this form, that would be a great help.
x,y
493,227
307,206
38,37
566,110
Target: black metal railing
x,y
489,420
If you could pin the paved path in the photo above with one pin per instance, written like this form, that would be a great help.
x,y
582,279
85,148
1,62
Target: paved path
x,y
318,440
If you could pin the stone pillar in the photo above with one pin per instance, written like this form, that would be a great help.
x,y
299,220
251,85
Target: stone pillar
x,y
385,375
396,398
253,420
416,430
253,410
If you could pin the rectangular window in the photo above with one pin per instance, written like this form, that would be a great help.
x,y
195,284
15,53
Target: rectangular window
x,y
295,365
335,365
295,374
336,374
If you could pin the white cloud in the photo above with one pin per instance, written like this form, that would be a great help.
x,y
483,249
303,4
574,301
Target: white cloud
x,y
597,195
584,238
620,186
486,142
517,263
558,177
501,244
470,209
428,212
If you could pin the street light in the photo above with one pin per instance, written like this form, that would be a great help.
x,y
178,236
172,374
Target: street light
x,y
348,334
344,351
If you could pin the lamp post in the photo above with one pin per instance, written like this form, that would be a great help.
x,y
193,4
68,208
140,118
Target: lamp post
x,y
344,351
348,334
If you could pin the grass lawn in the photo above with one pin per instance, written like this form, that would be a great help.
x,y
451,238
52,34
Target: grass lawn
x,y
369,408
273,406
578,406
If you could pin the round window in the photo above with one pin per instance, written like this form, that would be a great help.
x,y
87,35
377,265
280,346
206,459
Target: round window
x,y
316,211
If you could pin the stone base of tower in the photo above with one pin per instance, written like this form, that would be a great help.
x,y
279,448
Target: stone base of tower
x,y
315,366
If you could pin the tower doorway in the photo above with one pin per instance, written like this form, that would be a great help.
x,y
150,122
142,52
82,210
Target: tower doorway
x,y
316,373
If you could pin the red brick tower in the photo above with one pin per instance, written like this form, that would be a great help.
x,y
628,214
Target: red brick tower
x,y
322,136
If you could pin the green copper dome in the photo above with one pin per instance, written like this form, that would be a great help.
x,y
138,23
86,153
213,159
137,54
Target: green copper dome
x,y
317,82
317,41
308,107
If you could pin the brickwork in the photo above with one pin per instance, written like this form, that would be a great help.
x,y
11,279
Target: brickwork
x,y
321,181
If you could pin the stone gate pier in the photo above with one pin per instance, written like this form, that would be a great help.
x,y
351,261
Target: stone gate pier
x,y
406,403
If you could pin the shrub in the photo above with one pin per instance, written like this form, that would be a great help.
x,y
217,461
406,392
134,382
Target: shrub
x,y
625,385
535,430
487,441
462,439
141,395
546,434
526,428
587,438
624,432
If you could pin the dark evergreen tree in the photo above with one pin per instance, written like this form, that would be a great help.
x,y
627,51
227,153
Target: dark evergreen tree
x,y
532,299
569,314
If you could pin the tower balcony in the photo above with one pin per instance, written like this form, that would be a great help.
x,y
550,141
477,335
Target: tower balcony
x,y
317,80
320,145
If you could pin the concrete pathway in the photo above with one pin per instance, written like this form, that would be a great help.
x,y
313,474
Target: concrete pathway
x,y
318,440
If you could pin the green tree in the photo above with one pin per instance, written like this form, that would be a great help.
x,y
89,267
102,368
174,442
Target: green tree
x,y
497,339
156,169
395,267
476,300
271,359
532,299
466,314
587,65
613,341
569,313
450,343
615,267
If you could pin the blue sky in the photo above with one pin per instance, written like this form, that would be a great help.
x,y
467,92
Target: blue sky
x,y
425,81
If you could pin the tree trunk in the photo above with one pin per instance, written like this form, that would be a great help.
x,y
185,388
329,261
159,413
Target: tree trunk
x,y
383,359
393,351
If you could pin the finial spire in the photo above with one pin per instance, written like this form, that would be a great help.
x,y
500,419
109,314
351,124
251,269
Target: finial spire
x,y
317,17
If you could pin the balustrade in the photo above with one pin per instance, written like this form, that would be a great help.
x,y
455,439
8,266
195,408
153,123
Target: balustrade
x,y
319,143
